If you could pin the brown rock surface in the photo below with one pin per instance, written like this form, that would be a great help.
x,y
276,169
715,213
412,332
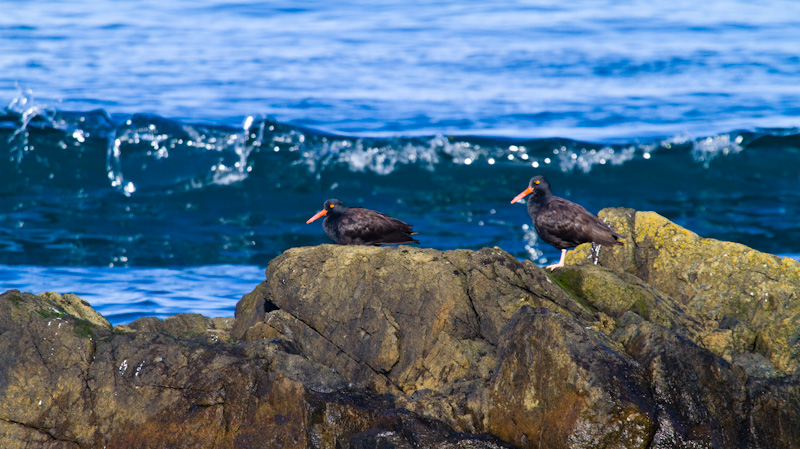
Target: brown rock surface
x,y
67,383
587,358
364,347
455,301
561,385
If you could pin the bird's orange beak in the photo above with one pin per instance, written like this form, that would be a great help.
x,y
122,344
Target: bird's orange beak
x,y
521,195
318,214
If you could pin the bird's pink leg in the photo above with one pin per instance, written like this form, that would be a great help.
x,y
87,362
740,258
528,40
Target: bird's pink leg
x,y
560,262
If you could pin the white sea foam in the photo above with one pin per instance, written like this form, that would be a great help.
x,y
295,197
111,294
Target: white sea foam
x,y
708,148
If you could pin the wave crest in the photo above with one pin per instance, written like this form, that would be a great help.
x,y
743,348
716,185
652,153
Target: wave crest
x,y
151,154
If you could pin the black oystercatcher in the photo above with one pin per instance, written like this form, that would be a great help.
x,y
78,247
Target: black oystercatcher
x,y
561,222
357,226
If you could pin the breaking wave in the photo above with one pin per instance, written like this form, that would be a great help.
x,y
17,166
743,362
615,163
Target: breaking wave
x,y
93,188
145,153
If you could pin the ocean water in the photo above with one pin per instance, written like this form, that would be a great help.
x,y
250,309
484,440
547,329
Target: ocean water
x,y
154,156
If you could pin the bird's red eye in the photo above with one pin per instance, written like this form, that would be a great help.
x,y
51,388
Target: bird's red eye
x,y
331,206
537,182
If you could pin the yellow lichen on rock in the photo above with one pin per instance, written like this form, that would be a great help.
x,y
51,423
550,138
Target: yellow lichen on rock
x,y
73,305
715,281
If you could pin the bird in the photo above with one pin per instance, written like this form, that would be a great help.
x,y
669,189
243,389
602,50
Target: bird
x,y
561,222
358,226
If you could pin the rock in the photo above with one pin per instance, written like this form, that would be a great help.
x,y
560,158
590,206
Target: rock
x,y
342,306
774,408
463,297
614,293
561,385
43,370
251,309
56,306
401,429
356,347
744,299
700,398
184,325
68,383
590,357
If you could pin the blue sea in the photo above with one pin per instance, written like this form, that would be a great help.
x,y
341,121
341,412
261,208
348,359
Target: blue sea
x,y
157,155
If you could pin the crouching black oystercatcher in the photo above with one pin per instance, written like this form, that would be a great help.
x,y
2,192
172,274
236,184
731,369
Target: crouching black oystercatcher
x,y
561,222
357,226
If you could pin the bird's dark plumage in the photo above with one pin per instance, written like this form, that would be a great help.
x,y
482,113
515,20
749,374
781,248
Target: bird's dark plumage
x,y
561,222
357,226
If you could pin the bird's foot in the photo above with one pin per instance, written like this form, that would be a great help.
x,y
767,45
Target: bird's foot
x,y
555,265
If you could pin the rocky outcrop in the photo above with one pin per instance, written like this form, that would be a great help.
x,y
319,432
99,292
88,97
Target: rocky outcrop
x,y
745,304
68,380
362,347
587,357
398,320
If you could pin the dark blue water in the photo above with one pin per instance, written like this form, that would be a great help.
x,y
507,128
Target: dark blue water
x,y
156,155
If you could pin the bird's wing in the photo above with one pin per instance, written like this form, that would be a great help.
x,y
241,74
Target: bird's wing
x,y
372,227
574,225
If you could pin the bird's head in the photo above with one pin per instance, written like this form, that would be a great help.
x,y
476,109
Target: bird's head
x,y
331,207
538,185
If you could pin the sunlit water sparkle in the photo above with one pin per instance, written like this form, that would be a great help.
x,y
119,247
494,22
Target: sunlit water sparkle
x,y
150,149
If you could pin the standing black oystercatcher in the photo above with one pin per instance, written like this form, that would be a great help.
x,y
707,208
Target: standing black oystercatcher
x,y
561,222
357,226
